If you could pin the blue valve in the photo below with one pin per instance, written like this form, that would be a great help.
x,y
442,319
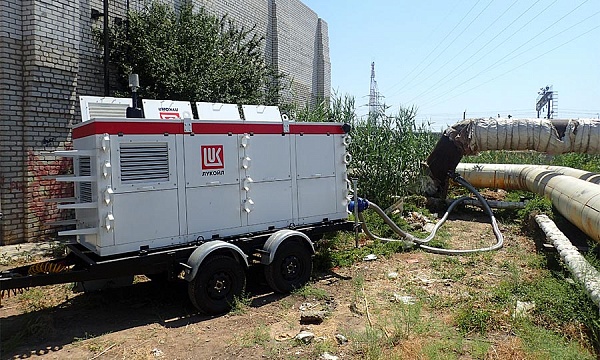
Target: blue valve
x,y
363,204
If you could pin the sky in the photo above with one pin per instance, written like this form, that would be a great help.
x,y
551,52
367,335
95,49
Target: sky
x,y
482,57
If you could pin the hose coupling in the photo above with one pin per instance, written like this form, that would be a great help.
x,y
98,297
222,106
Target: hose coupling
x,y
362,205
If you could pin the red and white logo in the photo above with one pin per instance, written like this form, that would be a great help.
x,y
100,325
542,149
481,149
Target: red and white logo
x,y
168,115
212,157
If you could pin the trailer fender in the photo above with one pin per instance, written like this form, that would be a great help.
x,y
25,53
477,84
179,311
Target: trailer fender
x,y
279,237
206,249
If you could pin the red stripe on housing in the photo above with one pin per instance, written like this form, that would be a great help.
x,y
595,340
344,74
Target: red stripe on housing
x,y
158,128
127,128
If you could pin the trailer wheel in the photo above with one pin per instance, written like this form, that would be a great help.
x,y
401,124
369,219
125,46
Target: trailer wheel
x,y
219,280
291,267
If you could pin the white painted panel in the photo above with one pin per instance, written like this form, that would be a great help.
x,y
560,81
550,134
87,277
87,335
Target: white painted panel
x,y
270,156
316,197
217,111
272,202
315,156
167,109
103,107
143,146
212,208
145,215
261,113
211,160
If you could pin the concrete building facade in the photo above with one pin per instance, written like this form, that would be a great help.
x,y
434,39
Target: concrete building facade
x,y
48,58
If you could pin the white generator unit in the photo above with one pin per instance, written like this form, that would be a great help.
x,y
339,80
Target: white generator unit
x,y
144,184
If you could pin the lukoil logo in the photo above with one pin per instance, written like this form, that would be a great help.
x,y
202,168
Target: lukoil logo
x,y
167,115
212,157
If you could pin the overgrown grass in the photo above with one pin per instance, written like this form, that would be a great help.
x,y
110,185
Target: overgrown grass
x,y
258,336
340,251
240,304
311,292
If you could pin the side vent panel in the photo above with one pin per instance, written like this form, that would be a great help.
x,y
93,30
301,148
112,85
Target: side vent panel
x,y
85,188
144,162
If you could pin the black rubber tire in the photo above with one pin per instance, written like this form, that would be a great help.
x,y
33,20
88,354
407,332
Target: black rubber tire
x,y
291,267
219,280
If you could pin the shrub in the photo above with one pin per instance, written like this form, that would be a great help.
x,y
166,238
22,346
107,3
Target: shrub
x,y
192,56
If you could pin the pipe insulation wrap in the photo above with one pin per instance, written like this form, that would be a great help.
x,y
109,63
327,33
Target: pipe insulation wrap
x,y
554,136
578,266
576,199
580,136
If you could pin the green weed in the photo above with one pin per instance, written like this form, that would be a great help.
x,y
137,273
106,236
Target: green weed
x,y
368,344
473,320
541,343
336,254
240,304
536,205
404,320
258,336
311,292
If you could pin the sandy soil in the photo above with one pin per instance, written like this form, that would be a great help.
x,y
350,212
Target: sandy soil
x,y
152,321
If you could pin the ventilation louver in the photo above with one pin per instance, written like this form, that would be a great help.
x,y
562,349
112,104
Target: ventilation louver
x,y
85,188
107,110
144,162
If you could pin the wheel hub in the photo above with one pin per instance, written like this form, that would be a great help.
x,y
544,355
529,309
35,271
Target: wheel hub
x,y
290,268
219,285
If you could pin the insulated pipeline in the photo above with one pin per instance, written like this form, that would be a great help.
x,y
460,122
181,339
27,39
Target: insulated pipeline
x,y
576,199
474,135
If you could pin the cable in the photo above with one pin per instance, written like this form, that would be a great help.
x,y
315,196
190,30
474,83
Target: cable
x,y
506,72
525,43
434,49
426,41
533,47
484,46
492,23
411,239
452,42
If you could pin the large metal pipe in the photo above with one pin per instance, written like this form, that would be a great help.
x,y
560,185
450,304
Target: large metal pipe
x,y
548,136
575,198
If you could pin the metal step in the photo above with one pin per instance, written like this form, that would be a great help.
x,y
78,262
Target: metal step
x,y
70,178
63,222
90,205
73,153
88,231
61,200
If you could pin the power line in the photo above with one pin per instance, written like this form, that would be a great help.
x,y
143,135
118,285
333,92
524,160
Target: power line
x,y
443,21
434,49
450,44
528,41
427,91
516,67
583,110
492,23
542,42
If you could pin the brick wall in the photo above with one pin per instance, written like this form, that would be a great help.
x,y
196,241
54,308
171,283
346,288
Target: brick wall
x,y
48,57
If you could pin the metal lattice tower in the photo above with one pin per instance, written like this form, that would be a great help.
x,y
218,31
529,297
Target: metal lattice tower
x,y
547,100
375,105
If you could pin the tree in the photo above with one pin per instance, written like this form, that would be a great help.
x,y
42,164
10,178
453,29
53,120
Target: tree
x,y
193,56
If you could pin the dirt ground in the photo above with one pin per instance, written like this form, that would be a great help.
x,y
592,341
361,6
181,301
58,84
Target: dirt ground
x,y
152,321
